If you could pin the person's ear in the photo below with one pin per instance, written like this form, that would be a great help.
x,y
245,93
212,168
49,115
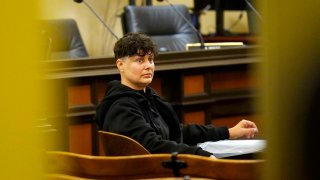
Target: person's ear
x,y
119,63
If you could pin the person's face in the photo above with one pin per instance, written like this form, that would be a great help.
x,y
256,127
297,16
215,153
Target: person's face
x,y
136,71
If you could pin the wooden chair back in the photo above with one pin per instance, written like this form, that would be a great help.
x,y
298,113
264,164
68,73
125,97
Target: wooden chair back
x,y
113,144
67,164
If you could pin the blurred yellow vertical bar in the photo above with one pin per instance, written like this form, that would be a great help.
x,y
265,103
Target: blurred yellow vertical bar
x,y
291,66
20,148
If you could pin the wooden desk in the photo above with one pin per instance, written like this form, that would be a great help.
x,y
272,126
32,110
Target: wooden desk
x,y
214,86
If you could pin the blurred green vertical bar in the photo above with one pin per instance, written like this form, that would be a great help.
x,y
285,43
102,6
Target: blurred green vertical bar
x,y
20,149
291,66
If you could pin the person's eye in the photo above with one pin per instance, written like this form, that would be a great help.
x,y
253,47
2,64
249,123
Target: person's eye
x,y
139,60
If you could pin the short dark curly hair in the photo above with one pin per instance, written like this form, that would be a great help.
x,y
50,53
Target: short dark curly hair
x,y
134,43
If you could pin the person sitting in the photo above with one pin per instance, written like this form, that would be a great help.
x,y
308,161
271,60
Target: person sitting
x,y
132,108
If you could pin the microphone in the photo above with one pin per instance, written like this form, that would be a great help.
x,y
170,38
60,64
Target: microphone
x,y
202,46
100,19
253,9
49,43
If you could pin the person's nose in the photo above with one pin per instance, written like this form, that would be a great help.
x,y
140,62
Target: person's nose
x,y
148,64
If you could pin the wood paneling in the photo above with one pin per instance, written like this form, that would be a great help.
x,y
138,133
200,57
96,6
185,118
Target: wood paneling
x,y
231,78
79,95
232,120
157,85
197,117
101,90
193,84
80,138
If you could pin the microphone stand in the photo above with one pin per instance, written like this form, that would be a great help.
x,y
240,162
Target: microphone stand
x,y
202,46
254,9
100,19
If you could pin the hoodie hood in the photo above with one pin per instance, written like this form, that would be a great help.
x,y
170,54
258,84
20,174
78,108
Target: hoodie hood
x,y
114,91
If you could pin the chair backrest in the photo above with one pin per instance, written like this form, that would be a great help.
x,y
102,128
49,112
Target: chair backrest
x,y
69,164
113,144
63,39
168,30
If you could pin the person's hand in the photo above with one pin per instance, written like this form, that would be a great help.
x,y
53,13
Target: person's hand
x,y
244,129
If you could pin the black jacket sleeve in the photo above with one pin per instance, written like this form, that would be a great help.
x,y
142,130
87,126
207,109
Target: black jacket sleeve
x,y
194,133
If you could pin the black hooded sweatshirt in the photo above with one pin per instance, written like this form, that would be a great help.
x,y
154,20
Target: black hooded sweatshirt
x,y
151,121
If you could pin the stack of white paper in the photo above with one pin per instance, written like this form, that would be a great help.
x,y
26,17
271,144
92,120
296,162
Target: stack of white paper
x,y
226,148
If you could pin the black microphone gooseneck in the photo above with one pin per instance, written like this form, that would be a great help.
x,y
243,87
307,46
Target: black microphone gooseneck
x,y
202,46
49,43
253,9
96,14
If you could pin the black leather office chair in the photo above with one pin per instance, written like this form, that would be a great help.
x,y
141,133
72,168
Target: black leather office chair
x,y
169,31
62,39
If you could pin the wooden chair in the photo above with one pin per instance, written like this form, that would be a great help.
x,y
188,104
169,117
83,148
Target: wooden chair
x,y
76,166
112,144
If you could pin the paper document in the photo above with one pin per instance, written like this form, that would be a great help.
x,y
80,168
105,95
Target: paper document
x,y
226,148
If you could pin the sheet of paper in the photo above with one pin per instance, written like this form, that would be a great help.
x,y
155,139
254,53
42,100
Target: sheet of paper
x,y
226,148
